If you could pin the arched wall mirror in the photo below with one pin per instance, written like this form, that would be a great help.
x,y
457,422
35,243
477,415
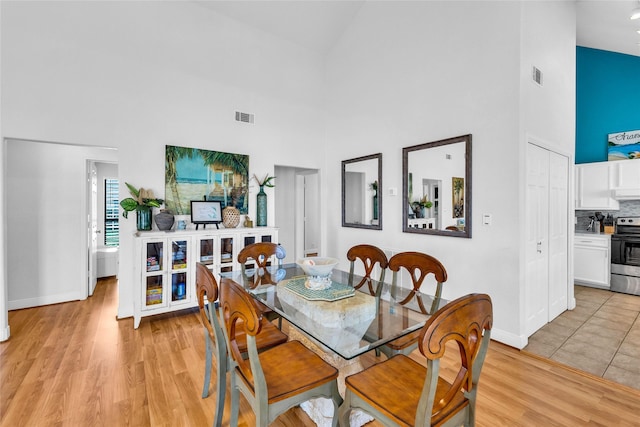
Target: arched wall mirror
x,y
436,187
361,198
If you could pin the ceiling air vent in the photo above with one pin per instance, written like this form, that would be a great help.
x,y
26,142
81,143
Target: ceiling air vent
x,y
244,117
537,75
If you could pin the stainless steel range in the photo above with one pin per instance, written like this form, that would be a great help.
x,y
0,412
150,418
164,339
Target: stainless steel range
x,y
625,256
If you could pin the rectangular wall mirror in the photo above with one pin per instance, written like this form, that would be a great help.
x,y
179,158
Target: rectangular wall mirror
x,y
361,198
436,187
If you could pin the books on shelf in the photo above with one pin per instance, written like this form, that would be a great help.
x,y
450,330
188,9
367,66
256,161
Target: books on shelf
x,y
154,295
153,264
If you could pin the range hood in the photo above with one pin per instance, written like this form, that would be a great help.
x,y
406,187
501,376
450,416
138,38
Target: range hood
x,y
626,193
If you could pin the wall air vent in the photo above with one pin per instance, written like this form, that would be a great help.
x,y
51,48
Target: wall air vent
x,y
537,75
244,117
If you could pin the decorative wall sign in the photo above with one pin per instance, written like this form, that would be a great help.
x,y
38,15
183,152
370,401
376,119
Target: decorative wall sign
x,y
195,174
624,145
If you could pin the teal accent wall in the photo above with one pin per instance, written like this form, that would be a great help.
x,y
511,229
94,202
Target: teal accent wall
x,y
607,100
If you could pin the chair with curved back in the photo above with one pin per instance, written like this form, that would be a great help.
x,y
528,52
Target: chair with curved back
x,y
277,379
262,253
215,341
370,256
424,398
419,266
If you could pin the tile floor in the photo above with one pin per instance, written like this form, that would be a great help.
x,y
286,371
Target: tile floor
x,y
600,336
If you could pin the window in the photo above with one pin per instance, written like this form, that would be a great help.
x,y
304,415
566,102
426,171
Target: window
x,y
111,212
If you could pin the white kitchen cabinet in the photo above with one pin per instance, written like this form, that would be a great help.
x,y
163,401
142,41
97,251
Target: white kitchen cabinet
x,y
165,264
592,260
594,182
626,174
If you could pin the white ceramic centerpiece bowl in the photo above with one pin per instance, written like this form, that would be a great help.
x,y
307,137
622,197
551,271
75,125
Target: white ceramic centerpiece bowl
x,y
319,271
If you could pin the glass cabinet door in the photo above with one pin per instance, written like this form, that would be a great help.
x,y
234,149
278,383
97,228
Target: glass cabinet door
x,y
178,254
154,275
155,256
154,291
178,286
206,250
227,254
179,273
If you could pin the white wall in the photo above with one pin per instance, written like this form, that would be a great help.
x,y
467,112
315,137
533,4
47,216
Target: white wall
x,y
548,111
139,75
414,72
46,189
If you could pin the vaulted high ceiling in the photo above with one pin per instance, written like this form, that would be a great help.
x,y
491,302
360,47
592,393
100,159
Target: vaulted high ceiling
x,y
317,25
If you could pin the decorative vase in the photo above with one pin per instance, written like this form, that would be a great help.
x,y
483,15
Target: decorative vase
x,y
143,218
230,217
164,220
261,213
375,205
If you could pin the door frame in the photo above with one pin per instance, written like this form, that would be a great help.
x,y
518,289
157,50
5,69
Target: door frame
x,y
295,186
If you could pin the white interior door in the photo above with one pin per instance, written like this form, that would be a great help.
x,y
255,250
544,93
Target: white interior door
x,y
92,225
311,214
558,234
546,289
537,259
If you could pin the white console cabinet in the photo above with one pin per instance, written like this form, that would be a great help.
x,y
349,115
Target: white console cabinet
x,y
592,260
165,264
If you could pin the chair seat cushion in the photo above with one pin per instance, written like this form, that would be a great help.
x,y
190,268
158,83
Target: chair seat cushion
x,y
291,368
394,386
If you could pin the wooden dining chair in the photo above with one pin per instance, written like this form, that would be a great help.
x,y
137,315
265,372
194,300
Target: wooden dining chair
x,y
276,379
401,391
215,341
262,253
370,256
419,266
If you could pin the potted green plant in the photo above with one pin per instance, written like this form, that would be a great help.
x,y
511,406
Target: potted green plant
x,y
419,206
141,201
374,186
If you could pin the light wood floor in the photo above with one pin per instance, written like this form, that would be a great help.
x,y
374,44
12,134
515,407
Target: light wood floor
x,y
74,364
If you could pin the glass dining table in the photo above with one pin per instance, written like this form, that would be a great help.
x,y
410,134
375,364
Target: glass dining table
x,y
346,321
339,323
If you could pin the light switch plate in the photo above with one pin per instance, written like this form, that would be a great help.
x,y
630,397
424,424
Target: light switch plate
x,y
486,219
393,191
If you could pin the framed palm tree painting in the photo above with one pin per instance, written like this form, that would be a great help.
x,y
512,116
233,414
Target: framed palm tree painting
x,y
196,174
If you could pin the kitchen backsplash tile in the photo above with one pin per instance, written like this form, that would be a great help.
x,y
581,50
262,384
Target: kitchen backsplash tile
x,y
627,208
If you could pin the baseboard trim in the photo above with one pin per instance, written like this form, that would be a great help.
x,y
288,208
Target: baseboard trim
x,y
512,340
5,334
44,300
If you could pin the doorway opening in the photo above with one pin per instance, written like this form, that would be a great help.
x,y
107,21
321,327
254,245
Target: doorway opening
x,y
297,211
